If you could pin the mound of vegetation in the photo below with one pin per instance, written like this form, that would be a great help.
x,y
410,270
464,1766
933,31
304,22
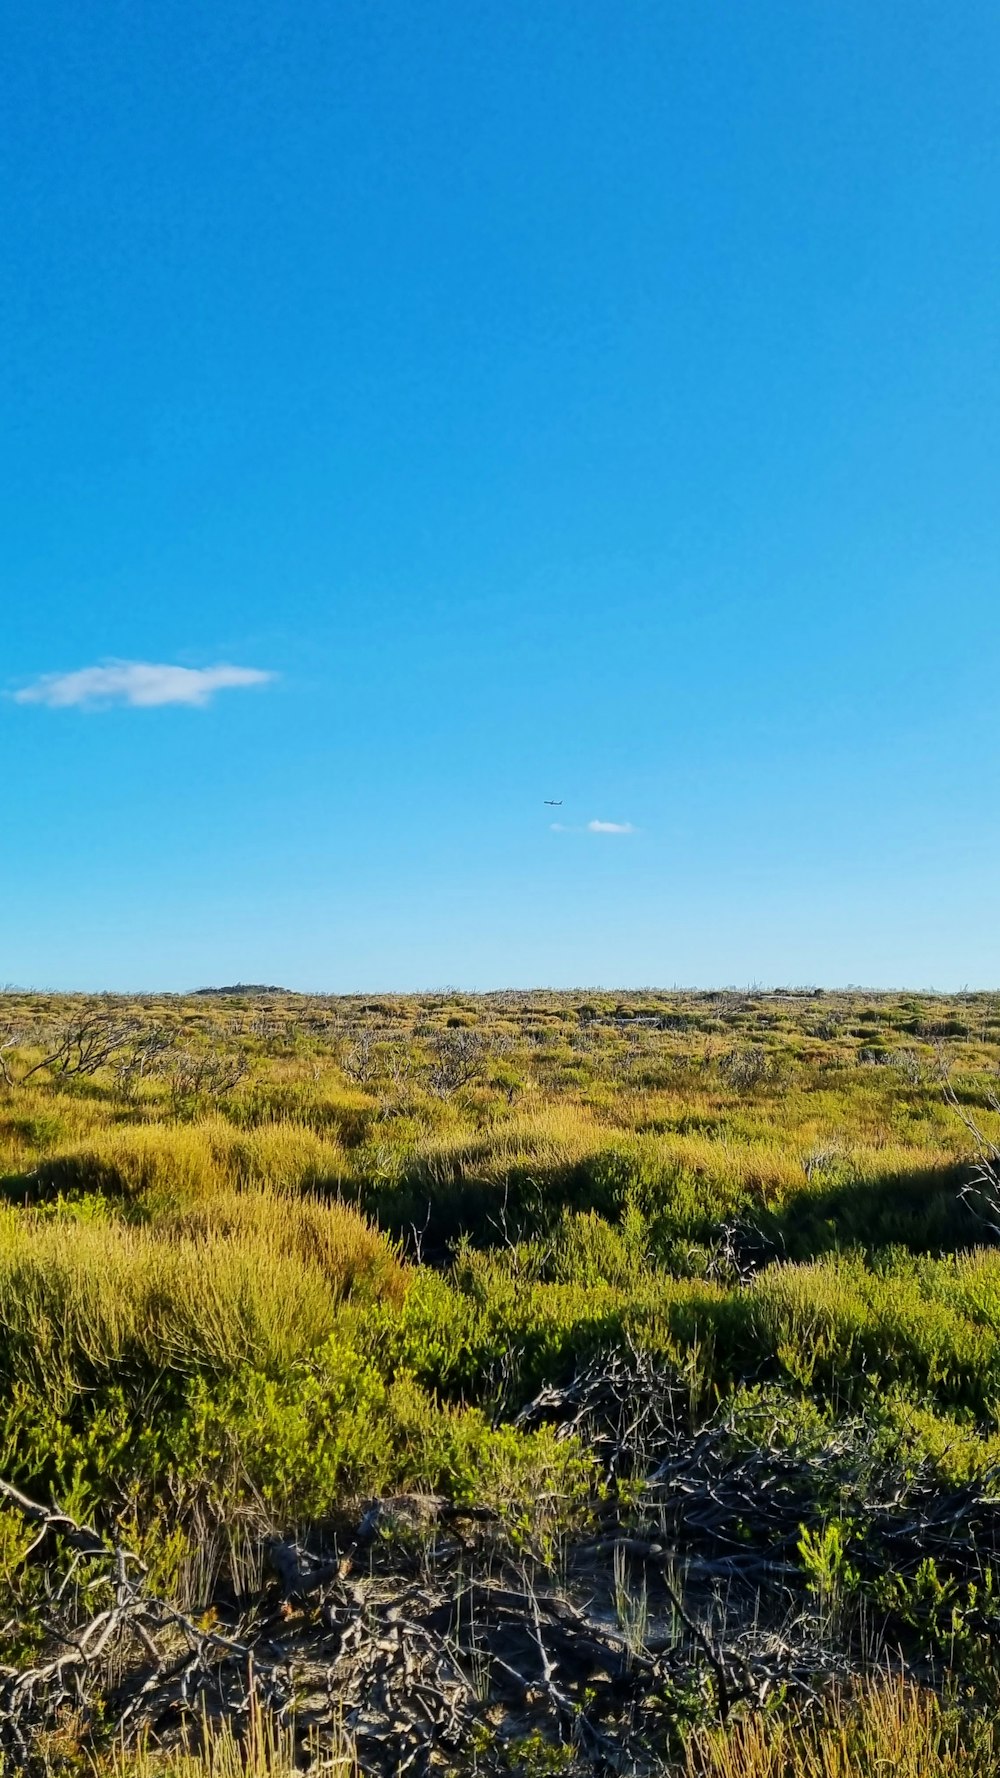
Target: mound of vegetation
x,y
517,1383
245,988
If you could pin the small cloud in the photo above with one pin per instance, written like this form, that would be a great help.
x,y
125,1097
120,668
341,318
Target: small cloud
x,y
142,684
610,827
558,827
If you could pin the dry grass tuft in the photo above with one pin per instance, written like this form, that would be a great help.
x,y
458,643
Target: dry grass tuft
x,y
268,1750
892,1729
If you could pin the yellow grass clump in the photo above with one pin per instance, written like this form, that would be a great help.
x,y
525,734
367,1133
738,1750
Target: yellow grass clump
x,y
267,1750
888,1730
262,1286
349,1251
165,1164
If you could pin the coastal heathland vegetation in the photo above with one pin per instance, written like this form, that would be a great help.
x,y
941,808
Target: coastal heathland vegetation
x,y
534,1382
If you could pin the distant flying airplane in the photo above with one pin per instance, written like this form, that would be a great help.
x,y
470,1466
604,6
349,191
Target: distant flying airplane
x,y
549,804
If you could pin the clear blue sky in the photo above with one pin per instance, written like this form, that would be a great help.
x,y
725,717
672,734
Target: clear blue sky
x,y
571,400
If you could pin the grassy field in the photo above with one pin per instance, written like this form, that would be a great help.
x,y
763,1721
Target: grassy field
x,y
676,1294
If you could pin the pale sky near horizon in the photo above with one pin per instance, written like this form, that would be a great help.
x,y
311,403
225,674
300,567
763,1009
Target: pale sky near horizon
x,y
415,413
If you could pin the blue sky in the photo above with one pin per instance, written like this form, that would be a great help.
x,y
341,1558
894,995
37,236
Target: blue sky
x,y
567,401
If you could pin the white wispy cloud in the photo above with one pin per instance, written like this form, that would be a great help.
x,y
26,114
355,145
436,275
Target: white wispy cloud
x,y
143,684
594,827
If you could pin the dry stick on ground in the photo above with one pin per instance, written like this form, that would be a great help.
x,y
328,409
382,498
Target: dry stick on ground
x,y
32,1696
407,1651
380,1646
